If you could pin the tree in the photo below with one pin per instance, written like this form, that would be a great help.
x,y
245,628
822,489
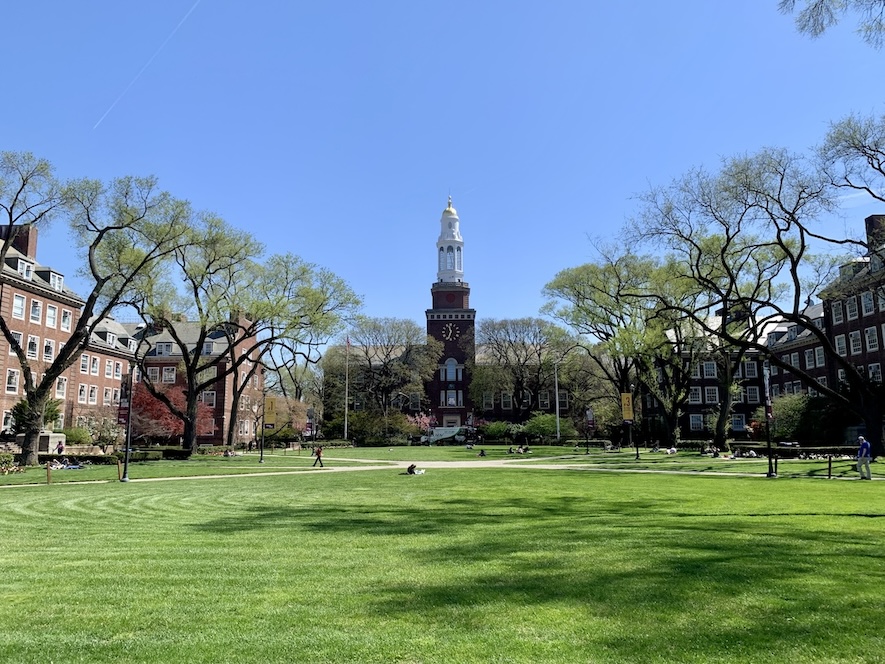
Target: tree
x,y
387,357
744,238
123,230
517,356
817,16
228,293
153,421
634,340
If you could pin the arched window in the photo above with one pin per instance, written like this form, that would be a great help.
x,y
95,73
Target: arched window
x,y
450,259
458,259
451,369
442,259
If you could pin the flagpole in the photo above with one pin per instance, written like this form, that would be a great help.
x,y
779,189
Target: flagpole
x,y
346,383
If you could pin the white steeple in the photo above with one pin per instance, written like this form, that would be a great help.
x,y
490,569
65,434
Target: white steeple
x,y
450,247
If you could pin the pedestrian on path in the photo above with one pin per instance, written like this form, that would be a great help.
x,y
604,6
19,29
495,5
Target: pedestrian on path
x,y
863,458
319,456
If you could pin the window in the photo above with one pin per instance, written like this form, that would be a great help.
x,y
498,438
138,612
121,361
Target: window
x,y
81,393
18,307
819,356
33,345
751,370
872,338
108,368
696,422
25,269
93,394
774,369
880,296
874,372
51,315
118,369
208,398
809,358
488,401
415,401
822,381
840,374
797,387
164,348
738,423
84,363
153,374
711,394
854,340
506,401
851,308
18,339
544,400
56,281
841,348
207,374
12,381
66,318
710,370
694,396
696,370
788,388
94,363
752,394
775,390
794,359
116,395
168,374
563,399
36,311
107,397
48,350
208,347
61,387
867,304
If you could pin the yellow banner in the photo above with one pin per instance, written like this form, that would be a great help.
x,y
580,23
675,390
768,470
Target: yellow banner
x,y
627,405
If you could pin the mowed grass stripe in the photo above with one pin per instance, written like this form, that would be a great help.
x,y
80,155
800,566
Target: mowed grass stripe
x,y
455,566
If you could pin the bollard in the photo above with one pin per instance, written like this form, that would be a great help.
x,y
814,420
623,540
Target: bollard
x,y
119,470
48,474
829,466
775,463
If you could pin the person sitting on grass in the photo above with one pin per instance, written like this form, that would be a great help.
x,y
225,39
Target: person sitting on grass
x,y
482,453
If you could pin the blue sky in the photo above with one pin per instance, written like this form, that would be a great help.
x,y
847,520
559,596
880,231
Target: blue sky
x,y
337,130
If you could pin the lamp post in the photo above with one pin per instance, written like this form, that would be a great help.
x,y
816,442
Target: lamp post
x,y
125,411
261,440
556,396
766,376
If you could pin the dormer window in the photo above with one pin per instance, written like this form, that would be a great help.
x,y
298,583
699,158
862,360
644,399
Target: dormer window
x,y
25,269
208,347
164,348
111,339
132,345
792,332
56,281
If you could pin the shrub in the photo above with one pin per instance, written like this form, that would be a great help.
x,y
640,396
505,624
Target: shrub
x,y
495,430
77,436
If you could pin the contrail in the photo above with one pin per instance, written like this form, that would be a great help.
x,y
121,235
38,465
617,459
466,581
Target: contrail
x,y
147,64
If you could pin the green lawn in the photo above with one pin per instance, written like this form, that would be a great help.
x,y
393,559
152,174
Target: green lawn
x,y
490,565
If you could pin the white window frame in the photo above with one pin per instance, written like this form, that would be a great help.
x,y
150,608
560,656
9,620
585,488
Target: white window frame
x,y
208,397
867,303
711,394
153,375
35,314
855,343
840,345
169,374
738,422
93,395
851,308
19,303
94,365
695,395
809,358
19,337
81,392
871,338
48,349
61,387
752,394
710,370
506,401
819,357
696,422
108,368
12,377
32,350
751,369
51,315
67,318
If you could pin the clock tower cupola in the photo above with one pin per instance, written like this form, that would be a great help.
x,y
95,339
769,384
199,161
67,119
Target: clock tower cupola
x,y
451,320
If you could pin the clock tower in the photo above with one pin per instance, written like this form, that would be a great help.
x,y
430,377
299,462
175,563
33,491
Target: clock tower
x,y
451,320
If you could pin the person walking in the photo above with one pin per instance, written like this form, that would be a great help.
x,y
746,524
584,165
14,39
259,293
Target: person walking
x,y
863,458
319,456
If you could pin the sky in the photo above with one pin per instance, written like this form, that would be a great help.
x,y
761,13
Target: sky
x,y
337,130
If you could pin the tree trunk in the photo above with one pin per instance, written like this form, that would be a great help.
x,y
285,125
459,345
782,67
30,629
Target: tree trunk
x,y
32,427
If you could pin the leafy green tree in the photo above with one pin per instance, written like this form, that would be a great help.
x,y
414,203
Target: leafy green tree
x,y
124,232
544,425
226,288
388,359
517,356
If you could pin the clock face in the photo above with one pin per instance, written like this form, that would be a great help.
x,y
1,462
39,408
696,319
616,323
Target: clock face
x,y
450,332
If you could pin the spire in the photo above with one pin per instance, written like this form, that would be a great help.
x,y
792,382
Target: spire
x,y
450,247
